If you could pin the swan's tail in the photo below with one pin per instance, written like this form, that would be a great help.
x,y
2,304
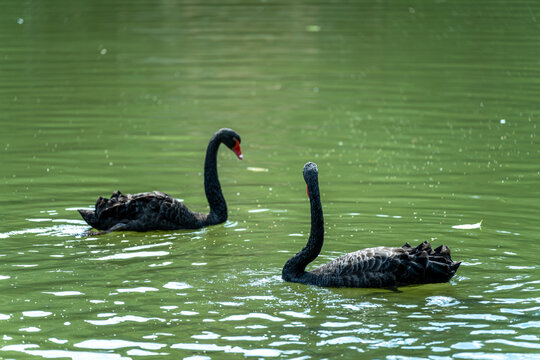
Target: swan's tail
x,y
89,216
93,217
438,265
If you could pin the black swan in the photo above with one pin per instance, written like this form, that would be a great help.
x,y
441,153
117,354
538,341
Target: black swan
x,y
159,211
380,267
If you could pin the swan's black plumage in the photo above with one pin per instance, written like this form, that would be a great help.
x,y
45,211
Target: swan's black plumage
x,y
372,267
159,211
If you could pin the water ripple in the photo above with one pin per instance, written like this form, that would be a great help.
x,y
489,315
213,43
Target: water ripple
x,y
252,316
527,325
140,289
468,345
495,356
296,314
345,340
341,324
234,349
133,255
103,344
121,319
36,313
53,354
245,338
142,247
523,344
56,230
30,329
206,335
63,293
177,285
488,317
442,301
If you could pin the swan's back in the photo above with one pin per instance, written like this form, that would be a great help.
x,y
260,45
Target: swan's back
x,y
142,212
388,267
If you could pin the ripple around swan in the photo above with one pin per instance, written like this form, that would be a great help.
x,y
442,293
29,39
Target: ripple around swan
x,y
55,230
148,246
442,301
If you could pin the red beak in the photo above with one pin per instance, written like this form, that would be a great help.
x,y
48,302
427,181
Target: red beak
x,y
307,189
237,151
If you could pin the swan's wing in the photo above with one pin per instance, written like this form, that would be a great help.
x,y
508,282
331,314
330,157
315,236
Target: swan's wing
x,y
173,214
379,259
144,211
385,267
129,206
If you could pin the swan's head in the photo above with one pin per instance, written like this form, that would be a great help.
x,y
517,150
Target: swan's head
x,y
232,140
311,176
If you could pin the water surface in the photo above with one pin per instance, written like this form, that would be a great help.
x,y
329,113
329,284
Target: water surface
x,y
421,117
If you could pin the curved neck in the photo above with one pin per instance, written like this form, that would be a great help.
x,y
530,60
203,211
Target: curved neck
x,y
296,266
212,187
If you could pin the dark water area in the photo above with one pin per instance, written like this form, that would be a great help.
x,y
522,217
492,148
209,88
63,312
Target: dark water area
x,y
421,116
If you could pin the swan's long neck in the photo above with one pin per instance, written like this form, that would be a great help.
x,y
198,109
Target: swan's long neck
x,y
212,187
296,266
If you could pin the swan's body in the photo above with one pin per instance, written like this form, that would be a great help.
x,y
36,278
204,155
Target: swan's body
x,y
159,211
372,267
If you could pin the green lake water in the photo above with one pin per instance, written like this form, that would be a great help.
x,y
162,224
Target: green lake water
x,y
421,116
